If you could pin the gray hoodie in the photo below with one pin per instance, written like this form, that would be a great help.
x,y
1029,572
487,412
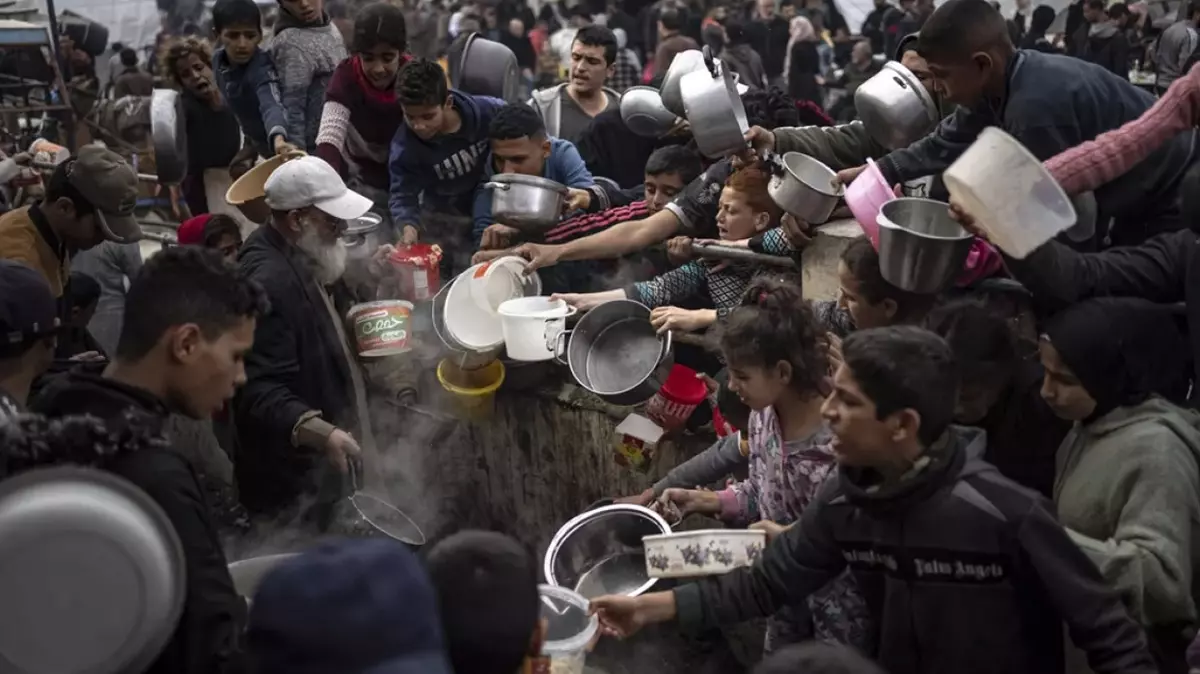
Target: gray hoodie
x,y
1127,488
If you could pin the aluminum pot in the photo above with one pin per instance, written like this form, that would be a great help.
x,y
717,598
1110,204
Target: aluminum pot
x,y
168,135
613,352
362,237
486,68
600,551
895,107
805,187
921,248
529,203
685,62
643,112
715,111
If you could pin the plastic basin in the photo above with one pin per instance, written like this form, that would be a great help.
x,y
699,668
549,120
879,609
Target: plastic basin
x,y
472,392
865,195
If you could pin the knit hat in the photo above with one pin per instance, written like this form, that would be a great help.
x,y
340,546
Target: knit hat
x,y
191,232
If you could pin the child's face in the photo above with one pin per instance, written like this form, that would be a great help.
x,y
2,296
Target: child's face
x,y
305,11
864,314
736,219
860,439
380,64
961,81
757,386
239,42
425,120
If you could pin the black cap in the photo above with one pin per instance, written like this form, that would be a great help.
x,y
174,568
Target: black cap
x,y
28,310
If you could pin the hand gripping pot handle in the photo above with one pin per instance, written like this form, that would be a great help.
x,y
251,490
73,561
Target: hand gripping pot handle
x,y
560,346
497,186
553,338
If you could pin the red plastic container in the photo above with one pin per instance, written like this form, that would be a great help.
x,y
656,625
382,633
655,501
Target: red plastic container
x,y
677,399
416,267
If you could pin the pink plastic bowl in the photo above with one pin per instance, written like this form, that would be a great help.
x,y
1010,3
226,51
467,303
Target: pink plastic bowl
x,y
865,196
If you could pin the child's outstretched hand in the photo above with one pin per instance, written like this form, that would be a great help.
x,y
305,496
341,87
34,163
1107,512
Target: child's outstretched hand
x,y
284,147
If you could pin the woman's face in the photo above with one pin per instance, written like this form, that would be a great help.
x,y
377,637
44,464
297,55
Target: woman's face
x,y
195,75
736,219
380,64
864,314
1061,389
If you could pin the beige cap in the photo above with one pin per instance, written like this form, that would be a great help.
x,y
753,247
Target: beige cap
x,y
109,184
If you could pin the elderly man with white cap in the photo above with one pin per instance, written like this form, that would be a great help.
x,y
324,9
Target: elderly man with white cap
x,y
302,414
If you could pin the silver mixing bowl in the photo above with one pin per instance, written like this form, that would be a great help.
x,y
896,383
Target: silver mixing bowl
x,y
600,551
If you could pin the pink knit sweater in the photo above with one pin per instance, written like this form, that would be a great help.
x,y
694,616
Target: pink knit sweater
x,y
1096,162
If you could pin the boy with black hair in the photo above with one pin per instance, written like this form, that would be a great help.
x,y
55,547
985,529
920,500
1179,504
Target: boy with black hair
x,y
568,108
28,325
306,48
962,570
439,150
487,587
189,321
1048,103
246,76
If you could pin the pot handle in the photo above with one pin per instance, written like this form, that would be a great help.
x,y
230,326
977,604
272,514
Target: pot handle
x,y
708,60
560,346
666,345
497,186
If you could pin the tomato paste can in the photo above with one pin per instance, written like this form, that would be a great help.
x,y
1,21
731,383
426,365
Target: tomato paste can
x,y
381,328
416,268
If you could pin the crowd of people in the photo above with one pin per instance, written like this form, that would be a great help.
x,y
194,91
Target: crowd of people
x,y
944,484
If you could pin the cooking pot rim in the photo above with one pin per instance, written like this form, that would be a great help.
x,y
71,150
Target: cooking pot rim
x,y
841,190
886,221
564,532
532,181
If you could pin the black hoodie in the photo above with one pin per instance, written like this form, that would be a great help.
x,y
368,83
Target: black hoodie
x,y
962,570
206,639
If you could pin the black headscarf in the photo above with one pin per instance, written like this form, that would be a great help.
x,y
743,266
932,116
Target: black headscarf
x,y
1122,350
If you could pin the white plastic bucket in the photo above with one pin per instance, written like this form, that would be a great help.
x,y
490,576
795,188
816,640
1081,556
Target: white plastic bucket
x,y
532,325
497,281
569,628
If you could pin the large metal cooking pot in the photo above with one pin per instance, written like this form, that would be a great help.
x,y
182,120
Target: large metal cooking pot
x,y
486,68
805,187
363,237
895,108
93,573
643,112
685,62
600,551
529,203
921,248
88,36
714,110
613,352
167,133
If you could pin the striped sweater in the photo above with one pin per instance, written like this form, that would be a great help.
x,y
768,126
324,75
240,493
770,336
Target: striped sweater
x,y
356,129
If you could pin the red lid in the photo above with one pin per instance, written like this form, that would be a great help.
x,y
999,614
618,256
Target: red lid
x,y
684,387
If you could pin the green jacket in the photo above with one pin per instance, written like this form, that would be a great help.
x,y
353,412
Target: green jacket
x,y
1127,488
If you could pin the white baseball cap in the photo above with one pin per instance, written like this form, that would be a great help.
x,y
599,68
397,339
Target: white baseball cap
x,y
310,181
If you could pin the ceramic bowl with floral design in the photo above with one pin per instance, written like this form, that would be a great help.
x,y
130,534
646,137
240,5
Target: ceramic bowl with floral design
x,y
706,552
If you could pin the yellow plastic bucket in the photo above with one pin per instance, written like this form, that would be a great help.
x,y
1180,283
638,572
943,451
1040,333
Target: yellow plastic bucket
x,y
472,392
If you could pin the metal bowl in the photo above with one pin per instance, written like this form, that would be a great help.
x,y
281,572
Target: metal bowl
x,y
363,237
895,107
643,111
685,62
600,551
529,203
921,248
93,575
805,188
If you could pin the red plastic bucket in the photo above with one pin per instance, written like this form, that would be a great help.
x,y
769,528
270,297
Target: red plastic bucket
x,y
416,267
677,399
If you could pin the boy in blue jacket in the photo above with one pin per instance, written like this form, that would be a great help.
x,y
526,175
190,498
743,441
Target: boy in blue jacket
x,y
439,150
246,76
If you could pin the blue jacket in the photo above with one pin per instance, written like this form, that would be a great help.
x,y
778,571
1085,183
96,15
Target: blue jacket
x,y
252,91
447,167
564,165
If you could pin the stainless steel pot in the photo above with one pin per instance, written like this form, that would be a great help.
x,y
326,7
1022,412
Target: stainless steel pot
x,y
600,551
614,352
529,203
921,248
895,108
486,68
93,575
168,135
714,110
362,237
685,62
805,187
643,112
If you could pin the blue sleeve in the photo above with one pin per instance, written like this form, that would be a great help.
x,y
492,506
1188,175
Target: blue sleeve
x,y
575,172
487,109
266,87
482,211
404,196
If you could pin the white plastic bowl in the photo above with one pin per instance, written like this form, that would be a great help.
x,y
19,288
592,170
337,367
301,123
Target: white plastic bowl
x,y
467,321
1012,197
704,552
569,628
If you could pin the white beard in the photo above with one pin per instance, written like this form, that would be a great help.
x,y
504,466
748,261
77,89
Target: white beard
x,y
328,260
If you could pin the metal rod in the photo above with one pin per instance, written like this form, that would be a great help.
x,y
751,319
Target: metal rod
x,y
735,254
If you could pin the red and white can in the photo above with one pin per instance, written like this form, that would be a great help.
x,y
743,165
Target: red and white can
x,y
416,269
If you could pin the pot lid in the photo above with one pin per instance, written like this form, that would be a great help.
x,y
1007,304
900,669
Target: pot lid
x,y
93,573
532,181
363,224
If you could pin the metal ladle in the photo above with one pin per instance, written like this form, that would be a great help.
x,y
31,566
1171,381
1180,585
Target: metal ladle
x,y
381,515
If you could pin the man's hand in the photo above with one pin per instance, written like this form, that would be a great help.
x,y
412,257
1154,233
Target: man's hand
x,y
577,200
620,615
582,301
482,256
668,319
847,176
679,250
643,499
773,530
498,236
409,235
692,501
798,232
379,266
538,255
340,448
760,139
968,222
